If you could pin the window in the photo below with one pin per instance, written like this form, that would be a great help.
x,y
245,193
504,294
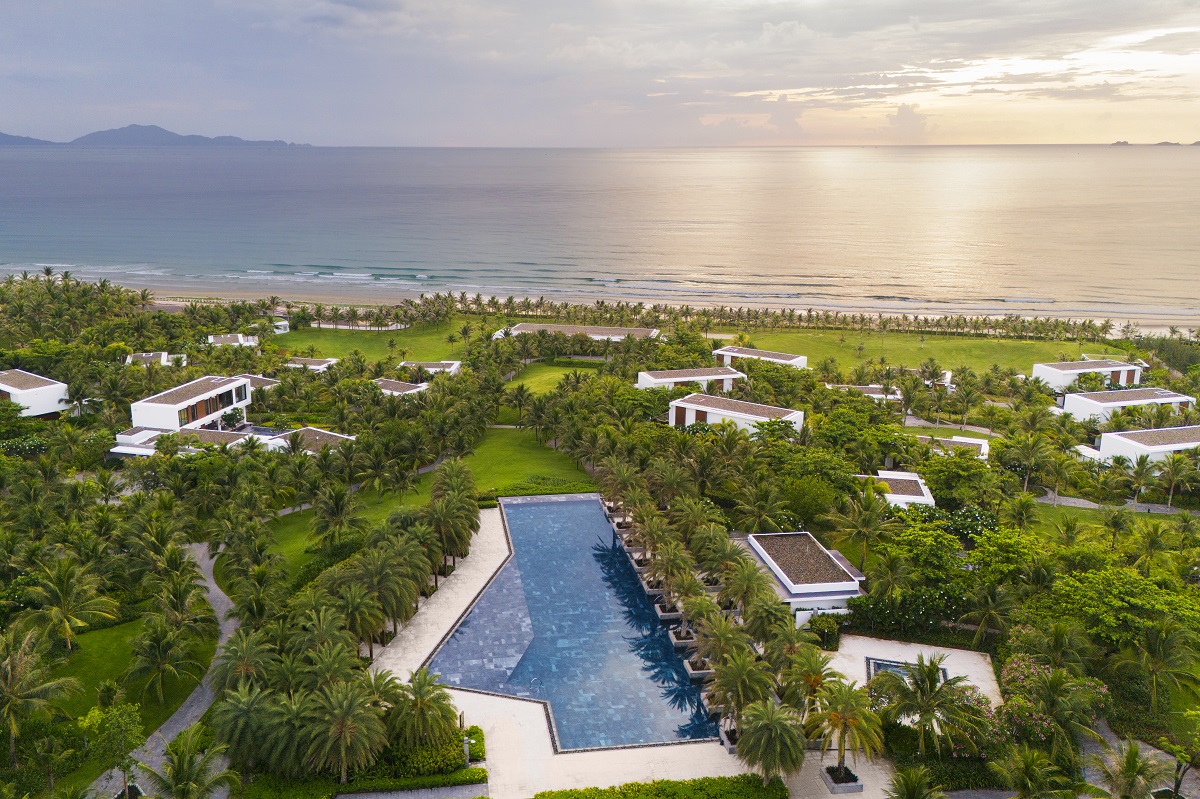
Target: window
x,y
241,393
183,417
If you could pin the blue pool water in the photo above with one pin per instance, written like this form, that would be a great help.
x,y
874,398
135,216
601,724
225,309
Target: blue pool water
x,y
565,621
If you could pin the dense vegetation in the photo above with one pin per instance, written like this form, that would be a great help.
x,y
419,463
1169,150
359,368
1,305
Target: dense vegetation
x,y
106,625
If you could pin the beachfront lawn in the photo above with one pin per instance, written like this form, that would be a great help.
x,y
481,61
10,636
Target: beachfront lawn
x,y
539,378
105,655
909,350
506,461
424,343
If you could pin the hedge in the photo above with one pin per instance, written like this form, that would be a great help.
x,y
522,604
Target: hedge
x,y
268,787
745,786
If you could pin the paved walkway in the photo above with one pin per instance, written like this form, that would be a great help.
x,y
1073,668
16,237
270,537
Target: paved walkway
x,y
875,776
1191,783
197,704
914,421
1087,504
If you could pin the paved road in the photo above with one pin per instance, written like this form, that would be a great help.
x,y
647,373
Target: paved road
x,y
195,706
1076,502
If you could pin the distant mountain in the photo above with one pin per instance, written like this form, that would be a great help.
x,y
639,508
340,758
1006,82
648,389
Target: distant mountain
x,y
148,136
1166,144
1121,143
154,136
6,139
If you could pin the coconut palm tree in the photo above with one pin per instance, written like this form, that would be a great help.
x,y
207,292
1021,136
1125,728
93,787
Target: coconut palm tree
x,y
1061,645
246,656
346,732
424,715
1031,774
923,697
913,783
844,714
26,685
1126,772
864,521
335,515
68,598
808,672
737,681
189,770
991,607
1166,653
364,615
160,653
239,722
1176,472
771,740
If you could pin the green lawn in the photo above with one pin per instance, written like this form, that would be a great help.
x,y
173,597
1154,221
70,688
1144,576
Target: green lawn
x,y
105,655
424,343
540,378
907,349
503,459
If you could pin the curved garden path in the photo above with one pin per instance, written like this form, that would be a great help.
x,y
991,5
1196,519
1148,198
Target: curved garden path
x,y
197,704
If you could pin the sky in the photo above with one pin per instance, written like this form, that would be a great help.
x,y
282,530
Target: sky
x,y
607,73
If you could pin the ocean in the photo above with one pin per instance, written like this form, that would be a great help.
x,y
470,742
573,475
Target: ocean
x,y
1066,231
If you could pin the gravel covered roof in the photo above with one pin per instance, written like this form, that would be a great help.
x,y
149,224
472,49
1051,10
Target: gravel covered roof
x,y
1133,395
738,406
587,330
685,374
1088,366
21,380
1164,436
801,558
199,387
750,352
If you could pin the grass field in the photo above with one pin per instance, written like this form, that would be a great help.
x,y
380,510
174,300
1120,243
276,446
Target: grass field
x,y
907,349
502,459
540,378
105,655
423,343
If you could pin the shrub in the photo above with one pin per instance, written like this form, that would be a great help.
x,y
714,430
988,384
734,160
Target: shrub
x,y
269,787
745,786
953,770
827,628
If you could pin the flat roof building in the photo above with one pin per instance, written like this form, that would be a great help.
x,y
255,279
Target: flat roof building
x,y
594,332
1100,405
709,409
37,395
874,392
809,578
158,358
260,381
433,367
397,388
723,376
311,364
194,404
1155,444
904,489
142,441
313,439
980,447
1063,374
233,340
727,355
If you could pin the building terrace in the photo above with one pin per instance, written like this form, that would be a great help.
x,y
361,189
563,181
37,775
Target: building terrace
x,y
709,409
672,378
727,355
808,577
594,332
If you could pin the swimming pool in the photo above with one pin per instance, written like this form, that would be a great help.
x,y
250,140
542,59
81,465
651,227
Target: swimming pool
x,y
566,622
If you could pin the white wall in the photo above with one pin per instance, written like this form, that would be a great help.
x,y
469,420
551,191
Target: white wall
x,y
1059,380
1082,408
166,417
39,401
1112,445
740,421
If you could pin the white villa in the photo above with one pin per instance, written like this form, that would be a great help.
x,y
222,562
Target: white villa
x,y
312,364
673,378
141,440
1101,404
980,446
727,355
233,340
281,326
396,388
260,382
194,404
159,358
711,409
594,332
1060,375
874,392
904,489
809,578
37,395
1155,444
434,367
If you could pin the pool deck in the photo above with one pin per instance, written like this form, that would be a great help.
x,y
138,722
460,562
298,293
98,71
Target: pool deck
x,y
521,758
852,654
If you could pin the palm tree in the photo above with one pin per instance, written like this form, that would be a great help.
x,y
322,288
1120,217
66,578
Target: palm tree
x,y
160,653
1061,645
844,713
1030,453
69,599
803,680
865,520
1166,653
345,730
738,681
913,783
364,615
1031,774
929,701
189,770
1125,772
335,515
26,687
424,714
771,740
1176,471
239,722
245,656
991,607
1021,511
